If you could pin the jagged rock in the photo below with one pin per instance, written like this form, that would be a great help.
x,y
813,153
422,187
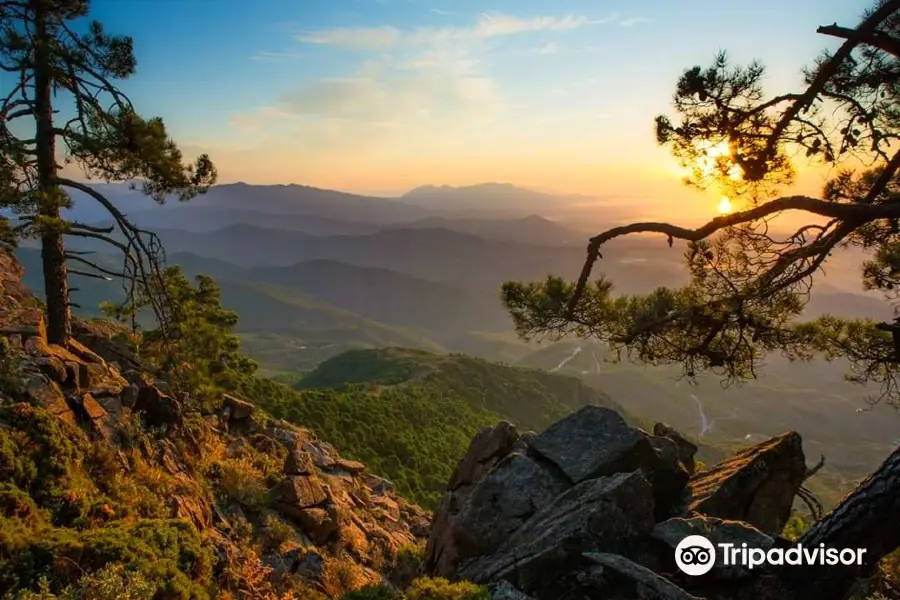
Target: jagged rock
x,y
350,466
686,449
192,510
486,449
43,392
498,505
106,389
593,442
504,590
379,485
756,485
668,476
318,524
320,455
298,462
295,493
238,409
643,582
717,531
78,374
610,514
158,408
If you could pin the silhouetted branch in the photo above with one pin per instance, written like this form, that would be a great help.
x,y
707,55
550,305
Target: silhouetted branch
x,y
877,39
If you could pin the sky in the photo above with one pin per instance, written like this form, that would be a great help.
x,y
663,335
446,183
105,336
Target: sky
x,y
380,96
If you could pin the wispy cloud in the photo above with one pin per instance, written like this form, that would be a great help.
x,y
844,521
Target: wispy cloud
x,y
443,13
633,21
356,38
487,25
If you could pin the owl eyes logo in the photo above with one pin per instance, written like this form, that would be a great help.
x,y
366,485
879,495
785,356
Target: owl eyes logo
x,y
695,555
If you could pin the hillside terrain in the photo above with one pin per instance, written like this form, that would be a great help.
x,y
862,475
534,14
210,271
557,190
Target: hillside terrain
x,y
410,414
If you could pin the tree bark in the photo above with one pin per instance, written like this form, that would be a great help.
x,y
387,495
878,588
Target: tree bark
x,y
868,518
56,287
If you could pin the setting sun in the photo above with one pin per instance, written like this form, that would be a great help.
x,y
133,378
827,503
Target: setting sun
x,y
724,206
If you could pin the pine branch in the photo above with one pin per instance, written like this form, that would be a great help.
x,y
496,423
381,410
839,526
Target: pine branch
x,y
877,39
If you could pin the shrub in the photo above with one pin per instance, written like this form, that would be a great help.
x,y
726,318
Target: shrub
x,y
438,588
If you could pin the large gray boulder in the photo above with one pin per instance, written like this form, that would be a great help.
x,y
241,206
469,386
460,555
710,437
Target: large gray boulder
x,y
609,514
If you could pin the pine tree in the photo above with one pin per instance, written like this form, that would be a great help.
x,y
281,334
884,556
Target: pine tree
x,y
52,65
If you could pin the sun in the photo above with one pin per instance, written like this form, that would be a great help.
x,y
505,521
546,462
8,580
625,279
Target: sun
x,y
724,206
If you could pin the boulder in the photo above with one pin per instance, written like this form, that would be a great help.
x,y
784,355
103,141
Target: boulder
x,y
78,374
686,449
53,368
238,410
318,524
349,466
486,449
668,476
756,485
296,493
479,522
610,514
298,462
593,442
129,396
158,408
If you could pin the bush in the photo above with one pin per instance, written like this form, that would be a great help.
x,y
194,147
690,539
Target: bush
x,y
438,588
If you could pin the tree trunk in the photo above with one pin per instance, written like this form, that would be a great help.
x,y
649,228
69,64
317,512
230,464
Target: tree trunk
x,y
56,286
868,518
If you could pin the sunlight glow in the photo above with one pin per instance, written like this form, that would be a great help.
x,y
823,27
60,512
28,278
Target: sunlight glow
x,y
724,206
716,159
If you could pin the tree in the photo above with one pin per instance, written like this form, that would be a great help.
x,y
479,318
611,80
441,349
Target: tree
x,y
46,58
198,353
749,285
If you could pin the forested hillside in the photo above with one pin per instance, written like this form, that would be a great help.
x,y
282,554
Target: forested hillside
x,y
410,415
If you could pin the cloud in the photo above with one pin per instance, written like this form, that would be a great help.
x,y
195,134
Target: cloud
x,y
357,38
487,25
548,48
443,13
633,21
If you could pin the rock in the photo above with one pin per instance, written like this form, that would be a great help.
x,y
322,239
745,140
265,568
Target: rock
x,y
163,386
609,514
298,462
756,485
593,442
478,523
106,389
378,485
54,368
486,449
45,393
239,410
295,493
318,524
669,478
192,510
158,408
504,590
717,531
129,395
350,466
78,374
134,377
643,582
686,449
320,455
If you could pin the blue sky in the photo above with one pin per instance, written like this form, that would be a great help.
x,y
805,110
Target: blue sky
x,y
383,95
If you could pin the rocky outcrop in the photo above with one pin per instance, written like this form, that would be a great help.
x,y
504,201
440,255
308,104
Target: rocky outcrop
x,y
593,507
757,485
331,526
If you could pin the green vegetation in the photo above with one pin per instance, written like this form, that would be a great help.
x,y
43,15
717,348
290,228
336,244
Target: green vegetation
x,y
423,588
410,415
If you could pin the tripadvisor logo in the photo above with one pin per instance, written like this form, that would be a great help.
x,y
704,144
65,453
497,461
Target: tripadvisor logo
x,y
695,555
